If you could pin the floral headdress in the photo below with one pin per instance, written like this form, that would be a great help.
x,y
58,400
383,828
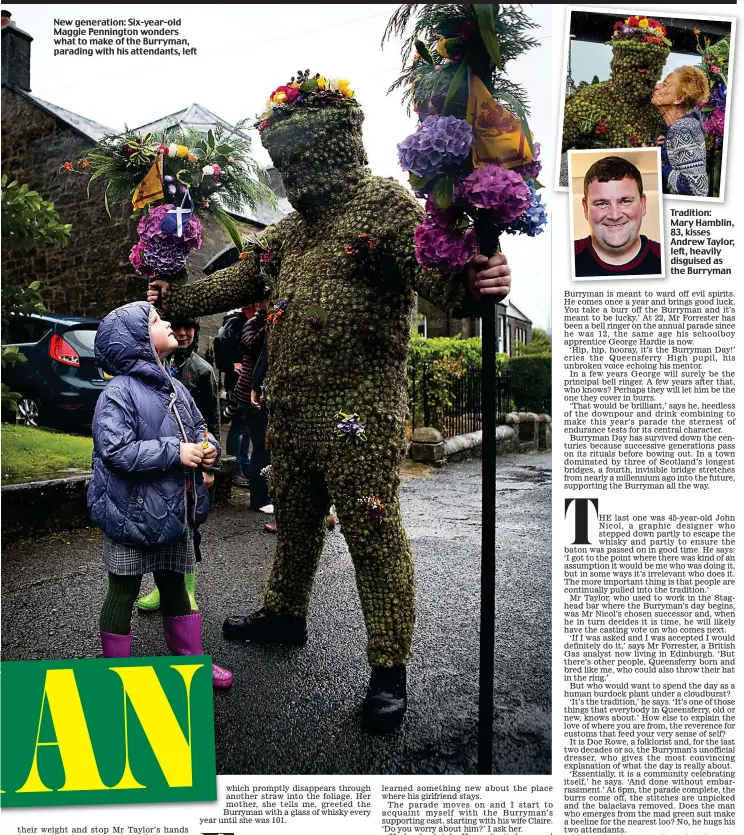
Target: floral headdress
x,y
640,29
306,93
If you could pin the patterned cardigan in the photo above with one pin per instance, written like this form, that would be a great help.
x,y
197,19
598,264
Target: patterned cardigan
x,y
683,158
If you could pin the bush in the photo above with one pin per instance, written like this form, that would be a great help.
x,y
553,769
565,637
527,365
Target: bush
x,y
531,383
446,359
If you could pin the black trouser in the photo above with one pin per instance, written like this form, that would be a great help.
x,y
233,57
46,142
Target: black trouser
x,y
260,457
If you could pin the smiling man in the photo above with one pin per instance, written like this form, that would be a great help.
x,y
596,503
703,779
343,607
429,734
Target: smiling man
x,y
614,206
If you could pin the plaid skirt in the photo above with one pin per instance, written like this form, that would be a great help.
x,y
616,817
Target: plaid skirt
x,y
126,558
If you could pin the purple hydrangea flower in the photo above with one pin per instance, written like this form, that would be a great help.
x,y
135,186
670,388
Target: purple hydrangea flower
x,y
157,252
533,220
496,188
440,245
718,96
439,142
714,124
531,170
350,427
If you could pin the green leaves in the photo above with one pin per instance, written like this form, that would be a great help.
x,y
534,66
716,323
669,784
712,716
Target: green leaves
x,y
485,14
444,192
459,79
424,52
417,182
228,225
29,221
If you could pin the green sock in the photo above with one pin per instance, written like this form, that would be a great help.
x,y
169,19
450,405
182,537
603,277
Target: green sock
x,y
116,612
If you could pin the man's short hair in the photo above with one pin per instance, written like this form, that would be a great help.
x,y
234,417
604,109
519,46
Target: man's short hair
x,y
612,168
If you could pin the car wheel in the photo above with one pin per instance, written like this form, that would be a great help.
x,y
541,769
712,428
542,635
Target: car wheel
x,y
28,412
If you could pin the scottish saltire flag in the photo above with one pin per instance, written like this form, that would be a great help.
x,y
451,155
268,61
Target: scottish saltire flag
x,y
176,219
499,136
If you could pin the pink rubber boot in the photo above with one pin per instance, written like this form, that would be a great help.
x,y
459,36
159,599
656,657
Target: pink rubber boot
x,y
116,646
183,637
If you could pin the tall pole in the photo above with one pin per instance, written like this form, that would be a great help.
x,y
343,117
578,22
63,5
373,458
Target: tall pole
x,y
487,245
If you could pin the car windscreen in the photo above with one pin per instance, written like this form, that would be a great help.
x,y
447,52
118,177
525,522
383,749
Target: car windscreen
x,y
81,339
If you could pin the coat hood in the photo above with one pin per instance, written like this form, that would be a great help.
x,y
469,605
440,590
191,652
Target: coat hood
x,y
123,345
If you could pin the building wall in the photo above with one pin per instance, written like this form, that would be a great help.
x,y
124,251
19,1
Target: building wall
x,y
92,275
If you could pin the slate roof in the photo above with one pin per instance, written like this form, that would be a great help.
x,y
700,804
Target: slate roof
x,y
90,129
513,312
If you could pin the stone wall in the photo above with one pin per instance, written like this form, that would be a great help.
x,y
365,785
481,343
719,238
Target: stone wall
x,y
92,275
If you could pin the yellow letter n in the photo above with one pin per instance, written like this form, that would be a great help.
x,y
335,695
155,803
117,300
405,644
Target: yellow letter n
x,y
171,748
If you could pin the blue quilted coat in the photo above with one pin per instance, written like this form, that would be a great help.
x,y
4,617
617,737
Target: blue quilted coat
x,y
138,489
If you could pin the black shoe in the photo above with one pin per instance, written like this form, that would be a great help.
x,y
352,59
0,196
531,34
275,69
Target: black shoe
x,y
385,703
264,627
240,481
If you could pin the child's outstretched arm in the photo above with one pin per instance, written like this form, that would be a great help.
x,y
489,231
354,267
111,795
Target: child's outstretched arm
x,y
115,437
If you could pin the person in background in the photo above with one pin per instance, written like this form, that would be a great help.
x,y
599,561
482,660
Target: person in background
x,y
196,374
252,341
228,358
147,491
683,153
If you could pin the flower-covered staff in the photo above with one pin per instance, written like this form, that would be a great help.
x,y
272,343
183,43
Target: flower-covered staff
x,y
478,165
618,113
171,179
342,272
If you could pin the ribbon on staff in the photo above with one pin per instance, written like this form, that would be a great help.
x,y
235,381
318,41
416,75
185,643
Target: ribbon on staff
x,y
176,218
150,187
499,136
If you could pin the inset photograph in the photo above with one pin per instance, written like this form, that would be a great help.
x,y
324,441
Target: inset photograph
x,y
635,81
616,217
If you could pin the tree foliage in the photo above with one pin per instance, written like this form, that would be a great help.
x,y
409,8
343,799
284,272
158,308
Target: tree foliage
x,y
28,220
541,343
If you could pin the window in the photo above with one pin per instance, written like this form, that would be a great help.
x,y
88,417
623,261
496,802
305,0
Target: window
x,y
22,330
82,340
421,325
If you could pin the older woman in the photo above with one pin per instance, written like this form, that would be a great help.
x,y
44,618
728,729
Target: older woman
x,y
683,153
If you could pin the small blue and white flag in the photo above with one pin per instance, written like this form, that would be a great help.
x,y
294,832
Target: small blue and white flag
x,y
178,217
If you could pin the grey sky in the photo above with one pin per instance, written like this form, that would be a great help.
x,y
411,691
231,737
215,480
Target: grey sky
x,y
244,52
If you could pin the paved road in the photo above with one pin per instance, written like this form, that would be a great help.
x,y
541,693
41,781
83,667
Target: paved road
x,y
296,711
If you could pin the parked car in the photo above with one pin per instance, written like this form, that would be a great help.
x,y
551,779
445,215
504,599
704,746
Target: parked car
x,y
60,381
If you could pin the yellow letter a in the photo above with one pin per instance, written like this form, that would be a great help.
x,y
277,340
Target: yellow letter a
x,y
75,748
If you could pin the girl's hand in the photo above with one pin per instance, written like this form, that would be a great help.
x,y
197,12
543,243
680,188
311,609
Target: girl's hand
x,y
210,456
208,478
660,140
192,455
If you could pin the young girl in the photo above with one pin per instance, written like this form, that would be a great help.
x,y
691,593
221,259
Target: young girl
x,y
147,490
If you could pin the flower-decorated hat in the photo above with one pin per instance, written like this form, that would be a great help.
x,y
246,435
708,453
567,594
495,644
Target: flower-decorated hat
x,y
306,93
640,30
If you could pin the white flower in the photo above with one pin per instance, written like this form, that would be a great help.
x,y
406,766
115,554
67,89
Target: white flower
x,y
173,150
207,171
332,83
